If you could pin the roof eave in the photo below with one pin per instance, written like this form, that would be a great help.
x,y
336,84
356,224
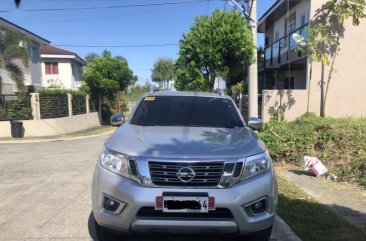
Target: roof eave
x,y
31,35
262,19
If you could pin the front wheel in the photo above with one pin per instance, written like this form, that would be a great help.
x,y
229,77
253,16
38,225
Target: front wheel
x,y
263,235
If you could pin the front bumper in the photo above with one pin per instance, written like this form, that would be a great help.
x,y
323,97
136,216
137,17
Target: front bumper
x,y
106,183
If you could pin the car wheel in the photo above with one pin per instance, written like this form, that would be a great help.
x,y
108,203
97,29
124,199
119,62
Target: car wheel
x,y
104,234
263,235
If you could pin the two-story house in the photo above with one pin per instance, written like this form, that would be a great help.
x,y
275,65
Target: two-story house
x,y
292,81
61,68
32,73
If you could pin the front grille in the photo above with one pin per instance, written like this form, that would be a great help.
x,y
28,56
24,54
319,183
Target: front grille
x,y
150,212
237,170
208,174
133,167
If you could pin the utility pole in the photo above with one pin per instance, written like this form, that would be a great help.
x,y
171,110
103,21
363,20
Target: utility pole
x,y
253,68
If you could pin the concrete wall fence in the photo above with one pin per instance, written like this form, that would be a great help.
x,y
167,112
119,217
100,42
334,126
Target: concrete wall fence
x,y
56,126
294,102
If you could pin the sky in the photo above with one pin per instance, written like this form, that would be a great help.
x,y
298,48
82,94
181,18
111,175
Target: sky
x,y
81,26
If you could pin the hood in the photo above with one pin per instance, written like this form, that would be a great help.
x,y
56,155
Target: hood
x,y
184,142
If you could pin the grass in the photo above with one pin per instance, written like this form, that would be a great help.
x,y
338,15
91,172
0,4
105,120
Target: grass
x,y
340,143
310,220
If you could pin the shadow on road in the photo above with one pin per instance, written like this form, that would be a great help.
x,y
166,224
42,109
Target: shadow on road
x,y
164,236
91,227
300,172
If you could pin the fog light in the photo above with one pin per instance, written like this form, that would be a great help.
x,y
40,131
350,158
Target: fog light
x,y
257,207
111,205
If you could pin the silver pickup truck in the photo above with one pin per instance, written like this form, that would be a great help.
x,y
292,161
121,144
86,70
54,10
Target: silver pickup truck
x,y
185,162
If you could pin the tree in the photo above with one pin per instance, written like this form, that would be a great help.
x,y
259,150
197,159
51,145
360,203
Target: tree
x,y
106,75
214,45
325,31
163,72
91,56
10,51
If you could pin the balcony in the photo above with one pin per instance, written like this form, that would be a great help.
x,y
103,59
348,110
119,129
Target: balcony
x,y
283,51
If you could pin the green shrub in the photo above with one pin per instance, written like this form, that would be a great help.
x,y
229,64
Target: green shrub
x,y
61,91
339,143
19,110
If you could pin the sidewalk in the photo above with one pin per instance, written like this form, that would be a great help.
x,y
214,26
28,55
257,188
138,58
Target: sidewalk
x,y
97,131
345,200
282,232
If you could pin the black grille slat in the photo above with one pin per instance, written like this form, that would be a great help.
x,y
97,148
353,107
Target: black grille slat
x,y
133,167
237,170
208,174
151,212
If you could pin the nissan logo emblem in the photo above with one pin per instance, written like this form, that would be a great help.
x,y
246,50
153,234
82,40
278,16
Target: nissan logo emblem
x,y
186,174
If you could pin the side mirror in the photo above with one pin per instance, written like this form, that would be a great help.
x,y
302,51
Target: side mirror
x,y
117,119
255,124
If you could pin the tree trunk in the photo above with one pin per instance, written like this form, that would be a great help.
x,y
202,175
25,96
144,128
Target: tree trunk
x,y
322,102
309,85
330,75
100,107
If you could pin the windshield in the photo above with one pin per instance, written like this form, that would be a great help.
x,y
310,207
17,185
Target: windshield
x,y
186,111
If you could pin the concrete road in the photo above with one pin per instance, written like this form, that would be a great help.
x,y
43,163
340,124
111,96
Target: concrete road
x,y
45,192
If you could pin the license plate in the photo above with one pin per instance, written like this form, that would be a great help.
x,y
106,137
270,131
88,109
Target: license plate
x,y
185,204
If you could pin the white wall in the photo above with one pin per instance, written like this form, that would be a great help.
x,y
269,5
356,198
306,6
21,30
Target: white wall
x,y
64,75
53,127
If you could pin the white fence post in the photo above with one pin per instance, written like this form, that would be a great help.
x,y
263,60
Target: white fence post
x,y
87,98
69,103
36,107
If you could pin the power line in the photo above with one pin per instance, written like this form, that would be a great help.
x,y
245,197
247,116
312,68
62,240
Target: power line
x,y
116,46
110,17
109,34
115,6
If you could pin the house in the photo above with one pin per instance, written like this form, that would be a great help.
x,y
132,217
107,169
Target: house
x,y
61,68
289,79
32,73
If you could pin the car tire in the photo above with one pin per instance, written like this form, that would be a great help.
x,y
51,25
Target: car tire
x,y
104,234
263,235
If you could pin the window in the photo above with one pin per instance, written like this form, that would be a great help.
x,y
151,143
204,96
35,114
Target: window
x,y
289,83
303,19
277,35
187,111
292,23
285,34
35,55
51,67
292,28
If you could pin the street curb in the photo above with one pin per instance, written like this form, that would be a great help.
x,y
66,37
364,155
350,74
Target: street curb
x,y
282,232
40,140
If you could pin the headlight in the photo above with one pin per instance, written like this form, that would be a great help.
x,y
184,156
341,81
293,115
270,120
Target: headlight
x,y
115,162
255,165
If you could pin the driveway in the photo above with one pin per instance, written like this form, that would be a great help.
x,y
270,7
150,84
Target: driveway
x,y
45,191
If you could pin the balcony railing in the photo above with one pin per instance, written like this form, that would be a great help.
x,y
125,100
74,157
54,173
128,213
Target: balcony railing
x,y
279,52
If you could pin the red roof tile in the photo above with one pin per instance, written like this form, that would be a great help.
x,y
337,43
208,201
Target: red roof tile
x,y
48,49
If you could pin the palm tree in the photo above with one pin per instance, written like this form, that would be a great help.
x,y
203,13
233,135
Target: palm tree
x,y
14,46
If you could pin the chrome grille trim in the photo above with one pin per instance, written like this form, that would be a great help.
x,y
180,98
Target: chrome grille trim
x,y
208,174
